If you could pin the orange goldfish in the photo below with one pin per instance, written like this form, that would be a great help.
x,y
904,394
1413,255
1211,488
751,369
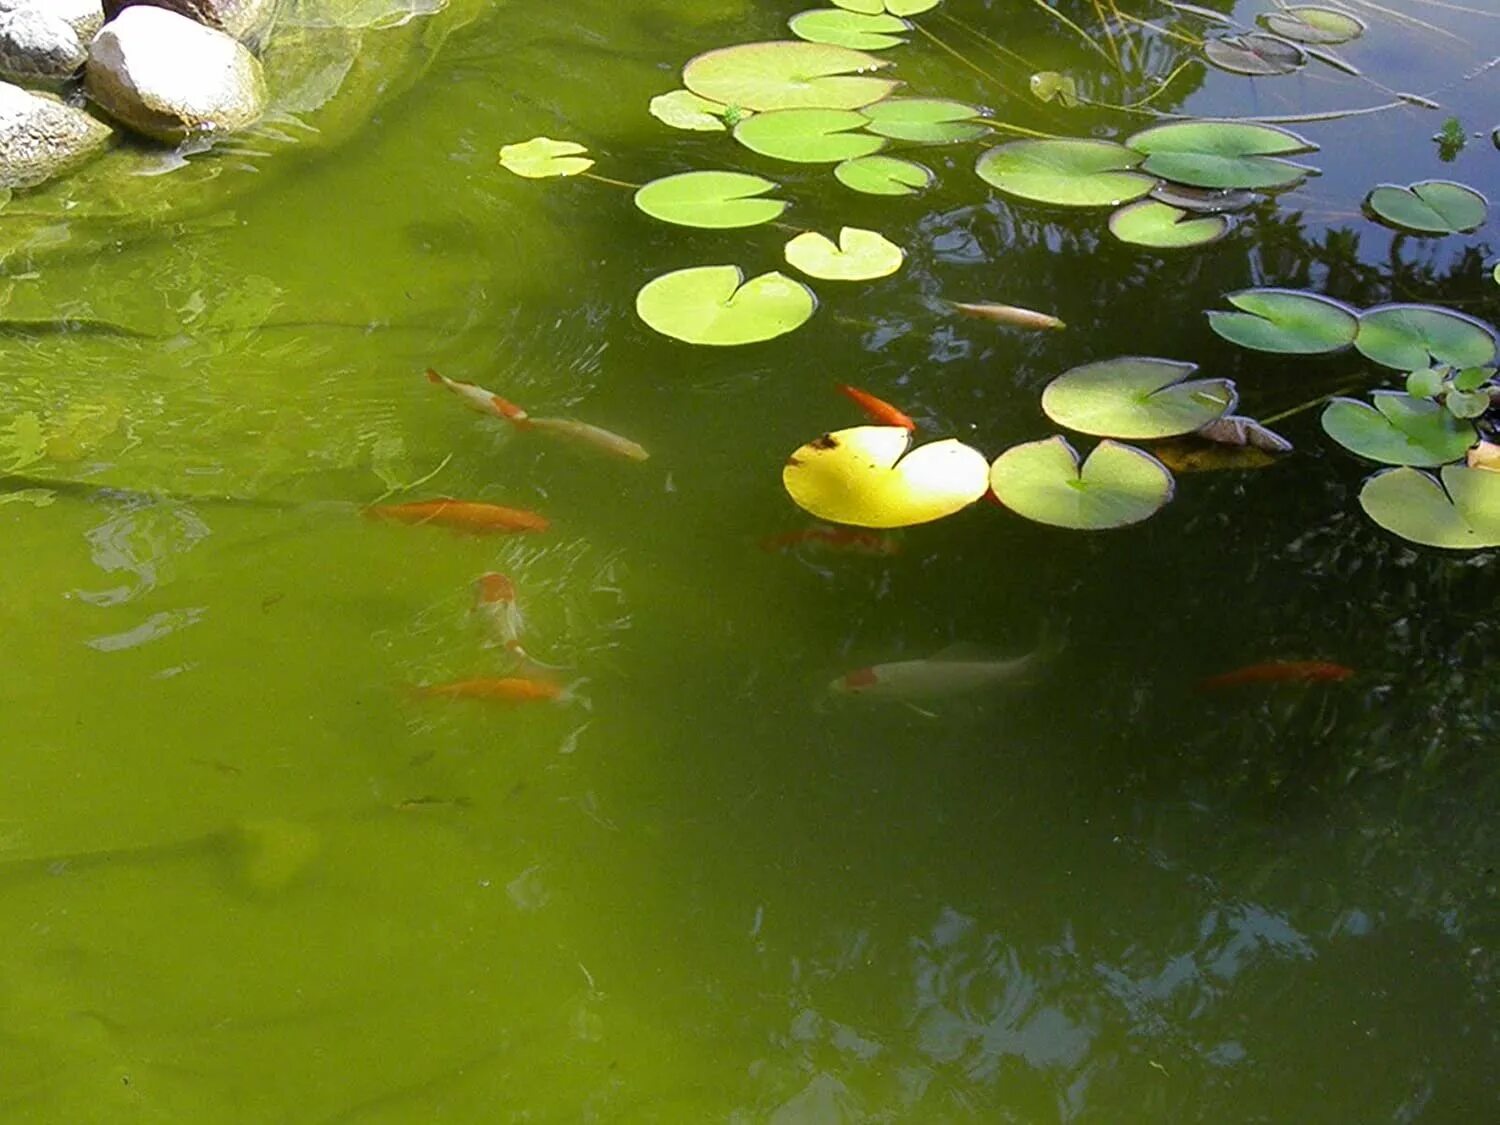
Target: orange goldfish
x,y
490,689
853,539
461,515
1278,672
878,410
476,397
1013,315
495,601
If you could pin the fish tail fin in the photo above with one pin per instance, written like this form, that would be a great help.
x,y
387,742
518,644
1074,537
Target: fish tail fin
x,y
570,695
434,377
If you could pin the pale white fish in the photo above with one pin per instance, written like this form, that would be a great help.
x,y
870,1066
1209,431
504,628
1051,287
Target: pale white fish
x,y
495,603
938,676
585,434
478,398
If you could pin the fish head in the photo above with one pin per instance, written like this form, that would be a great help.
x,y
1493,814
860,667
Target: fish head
x,y
852,683
493,588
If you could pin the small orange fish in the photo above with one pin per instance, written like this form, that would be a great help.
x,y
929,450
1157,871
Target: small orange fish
x,y
1278,672
852,539
490,689
878,410
1013,315
495,601
461,515
475,397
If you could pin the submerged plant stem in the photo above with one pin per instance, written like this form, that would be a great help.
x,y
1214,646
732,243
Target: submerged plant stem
x,y
1309,404
1082,34
999,48
1164,32
611,182
975,67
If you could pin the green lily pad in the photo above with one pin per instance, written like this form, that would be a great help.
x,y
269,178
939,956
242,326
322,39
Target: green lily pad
x,y
717,200
1118,484
1466,404
1429,207
1398,429
1427,383
1050,86
864,476
861,255
909,7
683,109
808,136
1472,378
1462,513
541,157
1149,222
1136,397
1072,173
1324,26
709,305
787,74
843,28
925,121
867,7
1222,154
883,175
1254,54
1290,321
1408,337
1209,201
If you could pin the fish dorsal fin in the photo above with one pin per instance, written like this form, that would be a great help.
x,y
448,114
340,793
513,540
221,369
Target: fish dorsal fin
x,y
965,652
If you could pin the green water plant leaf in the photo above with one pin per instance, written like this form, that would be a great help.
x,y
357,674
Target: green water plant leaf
x,y
1148,222
1290,321
1050,86
716,200
867,7
926,121
861,255
1408,337
883,175
1222,154
1398,429
787,74
1254,54
1466,404
541,157
808,136
1044,481
1209,201
1136,397
1429,207
1472,378
1324,26
839,26
910,7
1462,513
683,109
864,476
1427,383
710,305
1071,173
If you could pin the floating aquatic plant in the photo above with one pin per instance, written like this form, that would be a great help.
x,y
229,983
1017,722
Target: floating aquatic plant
x,y
715,305
710,199
1429,207
1326,27
1408,337
1460,513
883,175
1069,173
1117,485
808,136
1222,154
1254,54
787,74
928,121
1286,320
541,157
1136,397
861,255
683,109
1149,222
1398,429
864,31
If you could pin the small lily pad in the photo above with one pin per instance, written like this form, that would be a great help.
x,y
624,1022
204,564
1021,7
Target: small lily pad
x,y
1050,86
861,255
867,7
1149,222
808,136
1290,321
1472,378
1118,485
683,109
1398,429
787,74
839,26
1429,207
1466,404
1210,201
864,476
1462,513
1427,383
1070,173
909,7
709,305
1408,337
1324,26
925,121
1136,397
716,200
1222,154
1254,54
541,157
883,175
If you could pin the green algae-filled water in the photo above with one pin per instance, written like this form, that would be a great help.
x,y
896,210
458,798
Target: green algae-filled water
x,y
247,878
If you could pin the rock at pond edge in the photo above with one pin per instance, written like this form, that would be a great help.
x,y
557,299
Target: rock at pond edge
x,y
38,44
249,21
41,137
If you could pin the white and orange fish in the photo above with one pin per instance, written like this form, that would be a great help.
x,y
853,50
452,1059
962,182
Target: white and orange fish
x,y
950,672
582,433
1013,315
495,604
478,398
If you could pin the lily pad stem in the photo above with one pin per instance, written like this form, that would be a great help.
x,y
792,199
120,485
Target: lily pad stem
x,y
1309,404
607,180
975,67
1082,34
1165,32
389,492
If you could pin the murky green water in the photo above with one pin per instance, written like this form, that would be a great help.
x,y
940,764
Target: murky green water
x,y
247,879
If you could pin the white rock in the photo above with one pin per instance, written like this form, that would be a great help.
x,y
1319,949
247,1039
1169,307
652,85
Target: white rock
x,y
40,137
171,78
35,42
249,21
84,16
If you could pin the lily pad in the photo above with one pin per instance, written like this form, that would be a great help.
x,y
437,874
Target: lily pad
x,y
1210,201
1466,404
787,74
1071,173
1254,54
1398,429
1408,337
864,476
1290,321
1149,222
909,7
843,28
541,157
861,255
925,121
883,175
1136,397
808,136
716,200
1324,26
683,109
1427,383
1222,154
1118,484
1051,86
1462,513
1429,207
868,7
709,305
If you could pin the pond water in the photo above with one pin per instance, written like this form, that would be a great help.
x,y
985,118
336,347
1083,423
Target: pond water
x,y
249,878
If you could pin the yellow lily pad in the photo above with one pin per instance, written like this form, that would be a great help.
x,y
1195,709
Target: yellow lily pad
x,y
861,255
541,157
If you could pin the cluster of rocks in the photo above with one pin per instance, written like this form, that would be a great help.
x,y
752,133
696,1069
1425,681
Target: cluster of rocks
x,y
170,70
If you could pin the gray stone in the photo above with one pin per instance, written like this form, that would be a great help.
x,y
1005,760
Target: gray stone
x,y
84,16
37,43
249,21
171,78
40,137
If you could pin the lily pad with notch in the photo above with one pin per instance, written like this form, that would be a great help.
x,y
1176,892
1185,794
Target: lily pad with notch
x,y
865,7
1254,54
1149,222
861,255
1408,337
808,136
1069,173
1209,201
1052,86
1429,207
868,476
1398,429
1325,26
1136,397
713,200
787,74
542,157
683,109
1289,321
1222,154
883,175
864,31
714,305
925,121
1461,513
909,7
1116,486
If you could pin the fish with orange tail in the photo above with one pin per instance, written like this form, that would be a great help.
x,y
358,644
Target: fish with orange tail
x,y
854,540
478,398
462,515
494,689
495,603
1278,672
877,410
